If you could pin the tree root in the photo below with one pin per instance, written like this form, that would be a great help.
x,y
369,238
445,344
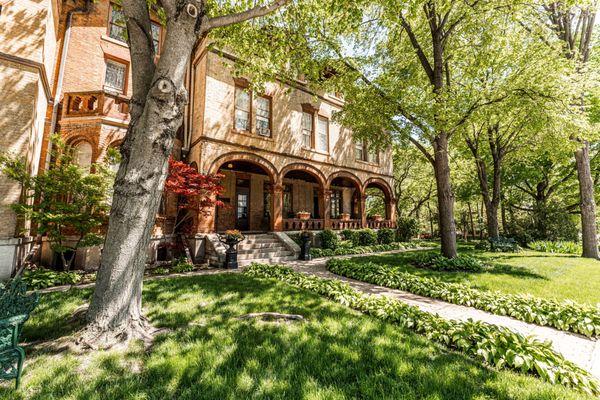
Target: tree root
x,y
270,316
96,337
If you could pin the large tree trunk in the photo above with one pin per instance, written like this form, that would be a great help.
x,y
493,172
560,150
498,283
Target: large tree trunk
x,y
115,312
588,205
445,197
491,211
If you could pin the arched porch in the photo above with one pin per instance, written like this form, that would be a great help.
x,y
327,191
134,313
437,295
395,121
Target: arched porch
x,y
380,205
345,202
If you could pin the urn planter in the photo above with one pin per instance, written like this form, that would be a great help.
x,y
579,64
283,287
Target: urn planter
x,y
305,245
231,240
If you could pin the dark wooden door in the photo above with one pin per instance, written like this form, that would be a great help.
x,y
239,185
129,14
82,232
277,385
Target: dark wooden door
x,y
242,207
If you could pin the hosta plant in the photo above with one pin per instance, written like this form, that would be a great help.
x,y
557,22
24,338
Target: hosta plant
x,y
566,315
437,262
491,344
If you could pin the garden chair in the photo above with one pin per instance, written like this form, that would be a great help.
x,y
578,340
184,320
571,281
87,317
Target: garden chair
x,y
15,306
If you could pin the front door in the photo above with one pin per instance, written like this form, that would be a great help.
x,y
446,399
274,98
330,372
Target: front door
x,y
242,208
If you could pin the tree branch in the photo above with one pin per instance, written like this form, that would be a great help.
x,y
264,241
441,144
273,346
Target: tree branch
x,y
235,18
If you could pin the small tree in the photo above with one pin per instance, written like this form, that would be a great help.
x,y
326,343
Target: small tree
x,y
67,204
196,191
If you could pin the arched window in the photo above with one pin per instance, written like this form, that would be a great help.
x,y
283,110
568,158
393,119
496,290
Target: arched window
x,y
82,155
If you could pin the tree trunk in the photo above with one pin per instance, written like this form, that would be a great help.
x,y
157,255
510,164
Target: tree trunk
x,y
115,312
471,220
588,205
445,197
504,220
491,211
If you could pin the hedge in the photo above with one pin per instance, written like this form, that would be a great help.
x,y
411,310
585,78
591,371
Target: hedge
x,y
566,316
343,251
494,345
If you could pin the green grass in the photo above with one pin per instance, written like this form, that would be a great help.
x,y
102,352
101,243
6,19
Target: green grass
x,y
551,276
209,354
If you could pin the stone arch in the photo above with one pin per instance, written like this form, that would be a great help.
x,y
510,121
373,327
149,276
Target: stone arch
x,y
345,174
380,184
309,169
268,167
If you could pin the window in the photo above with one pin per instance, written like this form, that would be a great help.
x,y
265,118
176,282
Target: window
x,y
307,129
323,134
263,116
114,78
336,203
242,109
82,155
117,29
360,151
155,36
373,156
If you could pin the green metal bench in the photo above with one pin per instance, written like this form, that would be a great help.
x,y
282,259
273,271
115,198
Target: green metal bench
x,y
15,306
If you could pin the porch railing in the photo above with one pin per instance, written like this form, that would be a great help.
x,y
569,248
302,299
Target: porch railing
x,y
340,224
296,224
386,223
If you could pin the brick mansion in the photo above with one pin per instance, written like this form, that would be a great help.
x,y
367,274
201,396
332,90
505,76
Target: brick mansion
x,y
65,69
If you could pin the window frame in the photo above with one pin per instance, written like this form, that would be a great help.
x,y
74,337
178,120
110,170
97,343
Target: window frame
x,y
336,200
317,133
112,8
255,114
235,108
311,144
113,60
159,39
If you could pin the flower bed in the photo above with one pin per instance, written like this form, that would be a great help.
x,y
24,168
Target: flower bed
x,y
566,316
343,251
491,344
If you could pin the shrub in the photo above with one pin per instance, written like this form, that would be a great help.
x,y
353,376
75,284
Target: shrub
x,y
351,235
556,247
181,265
329,239
407,229
296,238
499,245
488,343
566,316
386,236
367,237
437,262
42,278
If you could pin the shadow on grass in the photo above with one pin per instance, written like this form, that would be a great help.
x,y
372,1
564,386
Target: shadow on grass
x,y
336,353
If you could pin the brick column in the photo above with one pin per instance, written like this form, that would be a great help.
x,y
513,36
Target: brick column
x,y
325,198
391,211
362,206
277,208
207,218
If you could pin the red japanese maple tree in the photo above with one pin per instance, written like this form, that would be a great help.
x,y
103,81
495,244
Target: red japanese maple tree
x,y
197,192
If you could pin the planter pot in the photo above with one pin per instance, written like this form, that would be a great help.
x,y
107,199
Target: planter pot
x,y
303,216
231,253
305,247
377,218
345,217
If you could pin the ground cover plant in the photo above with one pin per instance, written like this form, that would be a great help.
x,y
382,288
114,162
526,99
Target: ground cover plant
x,y
491,344
336,353
567,315
438,262
350,250
560,247
549,276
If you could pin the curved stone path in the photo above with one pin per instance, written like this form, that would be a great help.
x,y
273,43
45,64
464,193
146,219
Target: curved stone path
x,y
576,348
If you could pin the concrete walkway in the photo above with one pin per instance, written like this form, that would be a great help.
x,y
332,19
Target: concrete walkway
x,y
576,348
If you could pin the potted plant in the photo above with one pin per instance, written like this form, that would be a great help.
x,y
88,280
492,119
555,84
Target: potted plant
x,y
303,215
377,217
345,216
231,239
305,243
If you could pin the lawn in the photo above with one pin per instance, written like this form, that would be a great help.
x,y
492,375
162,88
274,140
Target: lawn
x,y
209,354
551,276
